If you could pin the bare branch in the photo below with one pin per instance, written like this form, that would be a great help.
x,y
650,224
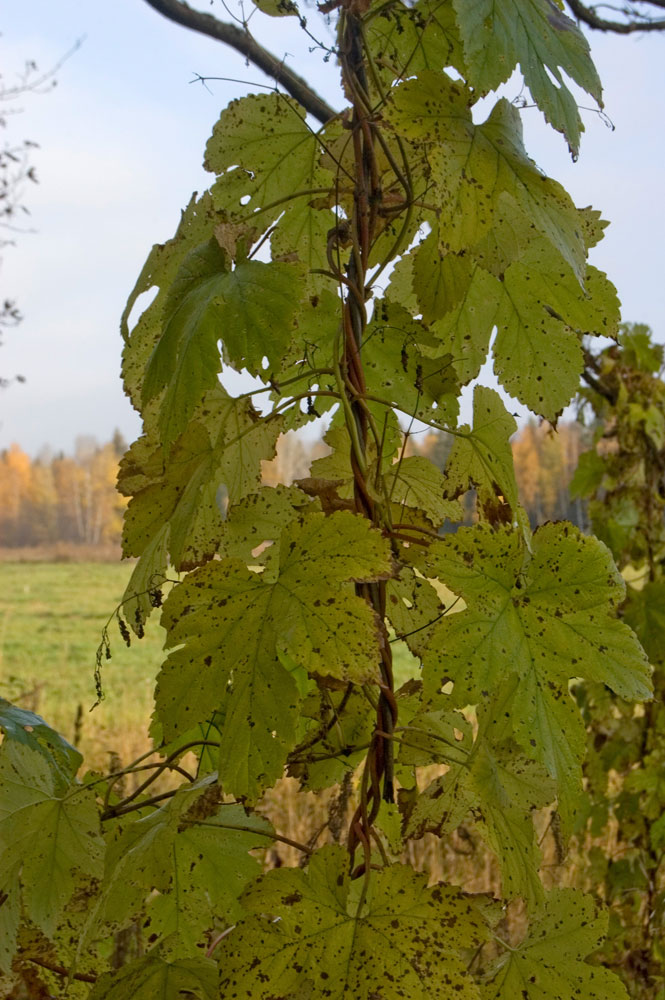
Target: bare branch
x,y
241,40
635,19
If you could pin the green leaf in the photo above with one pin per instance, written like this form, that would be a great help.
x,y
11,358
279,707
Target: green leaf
x,y
219,456
10,915
537,35
149,571
398,369
441,279
263,146
639,349
233,622
189,860
479,170
51,833
549,963
346,721
591,468
185,359
197,224
645,613
29,729
546,618
465,331
482,458
538,353
506,787
412,606
403,940
152,978
302,237
250,309
406,39
260,304
488,779
258,520
418,483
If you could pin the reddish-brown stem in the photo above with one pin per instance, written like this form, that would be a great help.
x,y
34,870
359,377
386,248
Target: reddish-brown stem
x,y
60,970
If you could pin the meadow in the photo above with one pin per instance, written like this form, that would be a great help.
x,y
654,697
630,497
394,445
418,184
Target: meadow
x,y
51,621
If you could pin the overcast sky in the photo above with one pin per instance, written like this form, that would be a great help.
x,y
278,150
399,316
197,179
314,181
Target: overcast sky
x,y
121,142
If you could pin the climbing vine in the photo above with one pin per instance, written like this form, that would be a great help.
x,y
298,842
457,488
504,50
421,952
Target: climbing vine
x,y
357,271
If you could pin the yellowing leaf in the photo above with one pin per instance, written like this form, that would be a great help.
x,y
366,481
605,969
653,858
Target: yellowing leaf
x,y
482,458
404,940
152,978
408,38
549,963
542,312
416,482
441,279
233,624
546,618
478,169
267,157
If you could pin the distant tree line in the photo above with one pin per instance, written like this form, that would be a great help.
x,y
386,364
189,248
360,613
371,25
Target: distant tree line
x,y
61,498
72,498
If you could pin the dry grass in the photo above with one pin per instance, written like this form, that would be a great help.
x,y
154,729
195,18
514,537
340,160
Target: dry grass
x,y
61,552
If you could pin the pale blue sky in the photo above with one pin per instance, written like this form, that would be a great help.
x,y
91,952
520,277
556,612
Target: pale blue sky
x,y
122,140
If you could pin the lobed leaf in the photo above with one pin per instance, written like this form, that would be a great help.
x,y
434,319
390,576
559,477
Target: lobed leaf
x,y
233,624
546,44
403,940
153,978
546,618
49,835
549,963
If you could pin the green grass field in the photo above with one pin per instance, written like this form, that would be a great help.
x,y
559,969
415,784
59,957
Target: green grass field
x,y
51,620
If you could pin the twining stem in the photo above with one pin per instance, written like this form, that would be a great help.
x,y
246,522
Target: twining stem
x,y
377,778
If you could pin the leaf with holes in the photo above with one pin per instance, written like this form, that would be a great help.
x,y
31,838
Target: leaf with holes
x,y
482,458
250,309
540,319
233,623
402,940
217,458
479,169
267,157
547,618
197,224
